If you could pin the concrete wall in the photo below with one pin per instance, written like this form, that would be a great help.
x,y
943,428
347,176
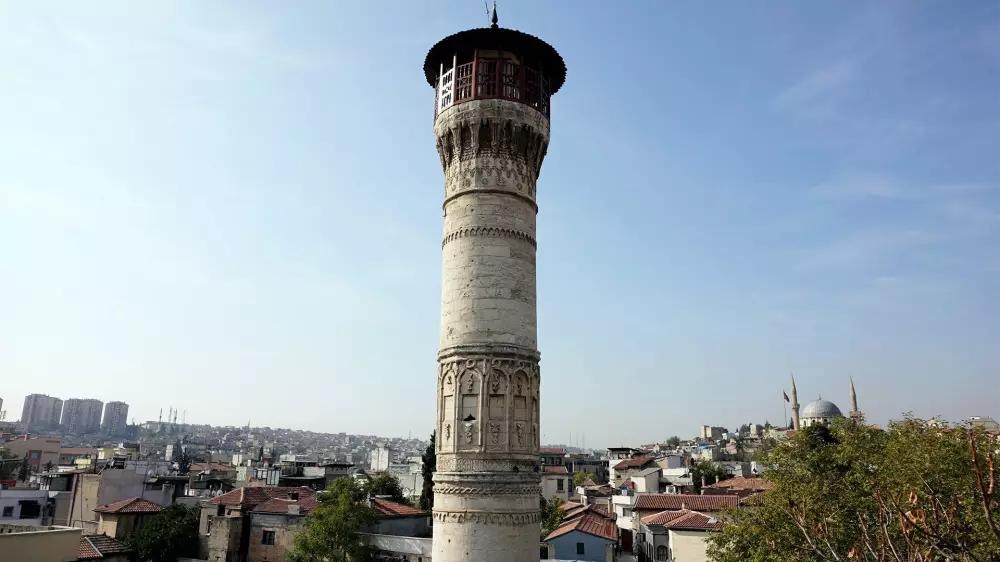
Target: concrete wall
x,y
11,500
595,549
285,528
688,546
49,544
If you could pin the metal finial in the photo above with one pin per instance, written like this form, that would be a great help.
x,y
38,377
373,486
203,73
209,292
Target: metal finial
x,y
493,16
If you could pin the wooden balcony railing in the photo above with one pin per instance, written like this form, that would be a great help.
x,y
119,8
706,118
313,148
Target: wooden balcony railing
x,y
491,78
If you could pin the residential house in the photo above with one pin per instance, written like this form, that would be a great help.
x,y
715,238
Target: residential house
x,y
587,533
648,504
226,521
675,536
739,486
121,518
637,468
615,456
274,524
556,483
23,506
40,451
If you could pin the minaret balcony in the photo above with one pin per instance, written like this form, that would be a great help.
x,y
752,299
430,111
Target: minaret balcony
x,y
492,78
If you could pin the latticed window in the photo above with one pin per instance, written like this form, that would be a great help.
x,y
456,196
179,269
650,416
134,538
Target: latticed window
x,y
463,82
486,78
662,553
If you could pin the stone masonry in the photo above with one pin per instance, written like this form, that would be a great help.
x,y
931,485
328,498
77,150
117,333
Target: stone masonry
x,y
487,485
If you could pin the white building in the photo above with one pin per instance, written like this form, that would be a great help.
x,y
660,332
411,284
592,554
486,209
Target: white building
x,y
26,507
380,458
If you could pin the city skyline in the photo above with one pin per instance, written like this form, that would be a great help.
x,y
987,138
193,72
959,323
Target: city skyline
x,y
196,205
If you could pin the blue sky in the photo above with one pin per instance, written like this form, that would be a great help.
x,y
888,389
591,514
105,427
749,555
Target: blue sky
x,y
236,211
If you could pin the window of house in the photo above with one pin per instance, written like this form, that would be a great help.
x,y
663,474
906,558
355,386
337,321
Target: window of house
x,y
661,553
580,548
221,510
559,484
267,538
8,511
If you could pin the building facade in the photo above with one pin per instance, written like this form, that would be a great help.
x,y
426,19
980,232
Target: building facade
x,y
491,125
41,412
115,418
82,415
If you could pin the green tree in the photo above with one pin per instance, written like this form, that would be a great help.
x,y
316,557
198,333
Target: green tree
x,y
24,470
430,466
673,441
385,484
8,465
912,493
552,516
706,472
330,533
167,536
580,477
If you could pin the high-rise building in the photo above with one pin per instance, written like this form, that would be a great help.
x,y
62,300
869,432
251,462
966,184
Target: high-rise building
x,y
115,418
491,125
82,415
41,411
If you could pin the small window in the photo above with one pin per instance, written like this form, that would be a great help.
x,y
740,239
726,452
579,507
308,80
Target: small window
x,y
580,548
560,484
268,538
221,510
661,553
8,511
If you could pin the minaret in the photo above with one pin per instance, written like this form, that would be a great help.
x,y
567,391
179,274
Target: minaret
x,y
795,406
855,413
491,122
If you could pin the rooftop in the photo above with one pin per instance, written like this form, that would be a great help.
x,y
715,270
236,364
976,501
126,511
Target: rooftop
x,y
590,524
676,502
389,509
96,547
130,505
249,497
683,519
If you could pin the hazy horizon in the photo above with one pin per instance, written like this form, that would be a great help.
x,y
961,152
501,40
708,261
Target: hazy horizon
x,y
237,212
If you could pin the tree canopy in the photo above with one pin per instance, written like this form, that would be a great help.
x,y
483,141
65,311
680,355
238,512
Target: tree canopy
x,y
430,465
551,515
167,536
385,484
330,533
911,493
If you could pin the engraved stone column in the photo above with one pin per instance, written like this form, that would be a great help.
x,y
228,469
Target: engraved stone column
x,y
492,132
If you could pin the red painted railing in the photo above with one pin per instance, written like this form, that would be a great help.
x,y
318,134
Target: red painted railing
x,y
490,78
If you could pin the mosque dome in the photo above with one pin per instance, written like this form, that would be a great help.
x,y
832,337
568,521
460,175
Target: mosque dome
x,y
821,409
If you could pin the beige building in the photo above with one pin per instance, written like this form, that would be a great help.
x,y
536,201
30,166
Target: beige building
x,y
39,451
676,536
121,518
492,131
82,415
19,543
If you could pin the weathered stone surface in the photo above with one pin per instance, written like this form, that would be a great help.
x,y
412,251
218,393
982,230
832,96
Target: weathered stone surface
x,y
487,484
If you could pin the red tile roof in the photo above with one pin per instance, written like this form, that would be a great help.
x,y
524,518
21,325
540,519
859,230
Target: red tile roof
x,y
636,462
552,451
95,547
660,502
387,509
579,510
130,505
555,470
566,506
590,524
753,484
307,504
249,497
684,519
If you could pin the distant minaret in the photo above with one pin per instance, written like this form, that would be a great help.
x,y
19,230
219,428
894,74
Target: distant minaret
x,y
795,406
855,413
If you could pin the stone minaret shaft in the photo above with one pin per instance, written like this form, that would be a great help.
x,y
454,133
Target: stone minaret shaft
x,y
854,401
795,406
492,131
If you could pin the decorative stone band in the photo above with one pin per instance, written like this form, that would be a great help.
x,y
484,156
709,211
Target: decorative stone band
x,y
490,231
489,350
488,518
453,462
488,490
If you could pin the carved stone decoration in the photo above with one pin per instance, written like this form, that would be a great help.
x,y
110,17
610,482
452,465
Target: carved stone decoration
x,y
491,152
